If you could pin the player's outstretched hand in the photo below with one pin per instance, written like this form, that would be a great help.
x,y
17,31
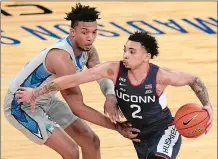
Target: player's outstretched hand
x,y
209,110
126,130
26,95
111,109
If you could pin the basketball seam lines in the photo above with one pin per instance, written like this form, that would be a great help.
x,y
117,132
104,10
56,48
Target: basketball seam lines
x,y
193,125
187,114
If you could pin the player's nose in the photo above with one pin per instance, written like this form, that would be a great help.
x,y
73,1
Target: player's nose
x,y
90,38
125,56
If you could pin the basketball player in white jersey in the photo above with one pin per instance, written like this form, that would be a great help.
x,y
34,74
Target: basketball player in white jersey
x,y
53,123
140,91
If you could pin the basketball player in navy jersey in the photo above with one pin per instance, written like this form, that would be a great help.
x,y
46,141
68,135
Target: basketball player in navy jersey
x,y
55,123
140,91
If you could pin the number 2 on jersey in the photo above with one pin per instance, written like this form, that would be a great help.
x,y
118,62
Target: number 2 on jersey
x,y
134,114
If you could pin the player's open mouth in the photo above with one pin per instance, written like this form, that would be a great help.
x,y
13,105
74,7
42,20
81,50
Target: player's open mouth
x,y
125,62
88,45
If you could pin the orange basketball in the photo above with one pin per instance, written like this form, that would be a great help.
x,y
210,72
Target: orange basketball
x,y
191,120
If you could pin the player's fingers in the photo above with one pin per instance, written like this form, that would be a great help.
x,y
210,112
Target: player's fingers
x,y
208,109
210,120
110,114
19,96
21,89
32,107
116,115
20,92
20,100
136,140
125,124
114,121
106,112
131,136
208,128
134,130
129,124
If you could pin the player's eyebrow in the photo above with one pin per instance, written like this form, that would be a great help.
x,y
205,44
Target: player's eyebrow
x,y
129,48
132,48
87,29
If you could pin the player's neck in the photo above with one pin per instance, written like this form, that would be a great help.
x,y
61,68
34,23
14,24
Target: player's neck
x,y
140,73
76,49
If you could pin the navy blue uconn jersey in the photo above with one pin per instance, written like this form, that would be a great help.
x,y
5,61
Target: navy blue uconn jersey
x,y
140,104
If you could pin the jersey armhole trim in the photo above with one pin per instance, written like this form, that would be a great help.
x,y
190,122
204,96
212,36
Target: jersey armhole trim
x,y
156,84
118,72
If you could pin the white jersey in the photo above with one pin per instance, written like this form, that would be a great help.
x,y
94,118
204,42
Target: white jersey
x,y
34,73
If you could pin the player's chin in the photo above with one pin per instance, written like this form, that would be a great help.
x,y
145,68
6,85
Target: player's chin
x,y
128,67
86,48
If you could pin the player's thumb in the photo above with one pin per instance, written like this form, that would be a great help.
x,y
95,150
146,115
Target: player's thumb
x,y
32,107
20,100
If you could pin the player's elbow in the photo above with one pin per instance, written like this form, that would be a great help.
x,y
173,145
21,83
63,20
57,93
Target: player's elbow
x,y
78,109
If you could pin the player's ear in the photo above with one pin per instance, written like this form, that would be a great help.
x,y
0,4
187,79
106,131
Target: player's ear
x,y
72,32
148,57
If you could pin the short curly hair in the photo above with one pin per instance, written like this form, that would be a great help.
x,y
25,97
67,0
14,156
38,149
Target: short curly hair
x,y
82,13
147,41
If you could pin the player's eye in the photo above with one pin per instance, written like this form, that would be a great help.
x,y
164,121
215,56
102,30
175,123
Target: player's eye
x,y
132,52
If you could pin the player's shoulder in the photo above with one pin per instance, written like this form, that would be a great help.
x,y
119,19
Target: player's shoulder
x,y
112,64
58,52
163,74
58,56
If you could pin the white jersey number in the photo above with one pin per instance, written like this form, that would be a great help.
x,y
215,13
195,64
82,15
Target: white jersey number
x,y
134,114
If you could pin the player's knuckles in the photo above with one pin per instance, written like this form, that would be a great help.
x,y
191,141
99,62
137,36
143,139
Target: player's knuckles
x,y
133,129
136,140
132,136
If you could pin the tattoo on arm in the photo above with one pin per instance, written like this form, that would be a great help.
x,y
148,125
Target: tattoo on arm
x,y
93,58
46,89
200,90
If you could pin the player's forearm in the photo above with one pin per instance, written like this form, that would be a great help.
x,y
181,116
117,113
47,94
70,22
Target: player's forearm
x,y
200,90
93,116
50,87
58,84
107,86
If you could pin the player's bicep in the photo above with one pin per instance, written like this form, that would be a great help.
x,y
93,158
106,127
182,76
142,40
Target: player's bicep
x,y
176,78
106,70
98,72
62,64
